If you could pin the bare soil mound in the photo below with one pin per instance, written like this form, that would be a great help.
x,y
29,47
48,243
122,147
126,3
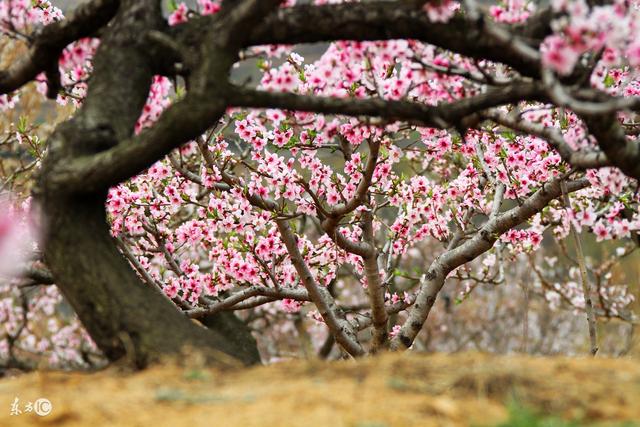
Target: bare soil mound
x,y
389,390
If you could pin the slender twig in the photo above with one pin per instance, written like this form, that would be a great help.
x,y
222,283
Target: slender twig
x,y
586,289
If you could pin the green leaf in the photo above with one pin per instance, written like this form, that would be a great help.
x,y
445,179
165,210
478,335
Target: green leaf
x,y
172,5
475,160
22,124
609,81
180,91
507,134
292,142
564,122
389,72
240,116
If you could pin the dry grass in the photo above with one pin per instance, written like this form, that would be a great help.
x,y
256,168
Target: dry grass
x,y
391,390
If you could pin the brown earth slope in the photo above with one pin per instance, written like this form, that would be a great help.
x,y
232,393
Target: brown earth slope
x,y
390,390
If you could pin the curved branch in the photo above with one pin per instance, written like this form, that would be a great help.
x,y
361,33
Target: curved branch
x,y
482,241
189,118
623,152
48,44
330,312
375,286
441,116
384,20
237,297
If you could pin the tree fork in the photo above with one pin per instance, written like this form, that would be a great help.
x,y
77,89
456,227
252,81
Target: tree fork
x,y
124,316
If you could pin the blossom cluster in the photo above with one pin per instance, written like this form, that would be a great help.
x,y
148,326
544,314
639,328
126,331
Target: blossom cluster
x,y
612,28
203,224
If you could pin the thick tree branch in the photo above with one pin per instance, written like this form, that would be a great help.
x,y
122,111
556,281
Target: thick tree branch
x,y
383,20
440,116
189,118
481,242
181,122
320,296
87,18
237,297
375,286
38,275
79,247
623,152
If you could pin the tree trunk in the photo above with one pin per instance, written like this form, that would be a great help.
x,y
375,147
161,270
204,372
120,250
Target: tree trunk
x,y
124,316
233,329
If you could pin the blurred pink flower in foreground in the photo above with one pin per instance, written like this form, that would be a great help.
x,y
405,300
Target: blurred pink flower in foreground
x,y
18,236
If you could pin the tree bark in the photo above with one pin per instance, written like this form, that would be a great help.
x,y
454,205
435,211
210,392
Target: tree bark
x,y
124,316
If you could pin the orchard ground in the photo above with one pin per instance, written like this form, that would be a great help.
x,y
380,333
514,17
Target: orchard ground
x,y
388,390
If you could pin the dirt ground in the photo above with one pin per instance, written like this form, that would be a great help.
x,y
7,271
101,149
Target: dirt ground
x,y
389,390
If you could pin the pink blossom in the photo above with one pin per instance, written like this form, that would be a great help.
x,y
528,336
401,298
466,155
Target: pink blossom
x,y
18,236
179,16
558,55
209,7
633,53
600,231
290,306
